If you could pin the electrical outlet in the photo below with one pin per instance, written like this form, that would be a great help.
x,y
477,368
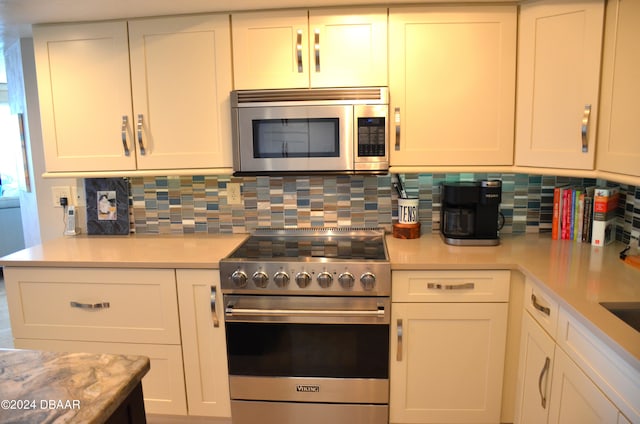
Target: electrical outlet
x,y
233,194
77,197
61,191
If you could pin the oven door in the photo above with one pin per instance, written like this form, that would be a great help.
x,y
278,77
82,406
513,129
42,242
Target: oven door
x,y
294,138
308,349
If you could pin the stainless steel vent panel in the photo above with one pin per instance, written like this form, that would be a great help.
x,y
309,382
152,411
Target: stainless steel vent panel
x,y
316,96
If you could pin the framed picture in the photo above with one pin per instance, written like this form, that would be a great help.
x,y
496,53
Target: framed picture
x,y
107,205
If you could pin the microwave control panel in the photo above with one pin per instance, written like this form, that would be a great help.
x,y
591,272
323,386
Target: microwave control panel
x,y
371,137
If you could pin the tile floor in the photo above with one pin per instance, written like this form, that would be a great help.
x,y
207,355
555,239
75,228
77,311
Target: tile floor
x,y
6,339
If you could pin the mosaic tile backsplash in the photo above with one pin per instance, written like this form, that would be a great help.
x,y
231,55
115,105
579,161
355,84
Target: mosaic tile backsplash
x,y
200,204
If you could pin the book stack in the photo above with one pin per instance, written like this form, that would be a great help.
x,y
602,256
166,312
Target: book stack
x,y
584,214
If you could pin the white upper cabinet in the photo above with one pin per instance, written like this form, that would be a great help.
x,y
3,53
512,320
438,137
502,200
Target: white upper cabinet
x,y
317,48
181,80
85,93
452,82
618,135
559,56
147,94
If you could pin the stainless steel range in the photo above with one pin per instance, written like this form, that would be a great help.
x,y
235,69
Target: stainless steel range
x,y
307,315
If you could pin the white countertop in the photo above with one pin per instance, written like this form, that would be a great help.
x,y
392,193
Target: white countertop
x,y
579,275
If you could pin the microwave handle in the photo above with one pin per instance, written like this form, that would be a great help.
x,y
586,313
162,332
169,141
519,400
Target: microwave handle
x,y
299,51
397,119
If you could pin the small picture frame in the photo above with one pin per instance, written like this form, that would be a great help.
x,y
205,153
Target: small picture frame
x,y
107,206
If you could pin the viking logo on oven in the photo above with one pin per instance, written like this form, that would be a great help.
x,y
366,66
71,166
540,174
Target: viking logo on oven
x,y
307,388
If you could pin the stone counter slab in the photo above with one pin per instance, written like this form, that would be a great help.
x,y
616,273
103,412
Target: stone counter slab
x,y
38,387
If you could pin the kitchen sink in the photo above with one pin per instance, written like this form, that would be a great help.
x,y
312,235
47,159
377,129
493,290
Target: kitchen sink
x,y
628,312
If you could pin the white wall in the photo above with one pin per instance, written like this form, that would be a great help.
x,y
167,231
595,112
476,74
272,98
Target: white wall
x,y
41,220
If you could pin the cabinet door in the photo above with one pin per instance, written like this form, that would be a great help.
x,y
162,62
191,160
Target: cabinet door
x,y
534,375
575,398
270,49
181,79
558,81
447,362
85,93
618,139
348,47
204,344
452,76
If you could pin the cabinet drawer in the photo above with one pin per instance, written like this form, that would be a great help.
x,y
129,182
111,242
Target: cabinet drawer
x,y
541,306
94,304
450,286
162,387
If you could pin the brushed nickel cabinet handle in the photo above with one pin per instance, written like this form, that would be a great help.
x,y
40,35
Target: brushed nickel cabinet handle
x,y
543,395
214,314
317,49
79,305
464,286
397,119
140,143
125,121
584,129
399,331
299,51
534,301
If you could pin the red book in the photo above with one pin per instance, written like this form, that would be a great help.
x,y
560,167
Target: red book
x,y
555,222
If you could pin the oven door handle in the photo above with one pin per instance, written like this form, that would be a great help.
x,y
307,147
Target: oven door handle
x,y
251,312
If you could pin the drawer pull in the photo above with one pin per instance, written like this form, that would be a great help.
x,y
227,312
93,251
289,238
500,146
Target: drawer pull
x,y
545,310
584,128
125,121
214,314
143,151
543,395
317,49
464,286
399,331
397,119
101,305
299,50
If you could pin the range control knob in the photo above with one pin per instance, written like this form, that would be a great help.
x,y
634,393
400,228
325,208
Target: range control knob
x,y
368,281
281,279
303,279
325,279
239,279
346,280
260,279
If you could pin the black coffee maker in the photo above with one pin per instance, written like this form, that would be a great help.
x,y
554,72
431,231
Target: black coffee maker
x,y
470,213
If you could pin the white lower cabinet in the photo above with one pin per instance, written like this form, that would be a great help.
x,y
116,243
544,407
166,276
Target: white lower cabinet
x,y
537,351
104,310
203,342
569,376
447,353
575,398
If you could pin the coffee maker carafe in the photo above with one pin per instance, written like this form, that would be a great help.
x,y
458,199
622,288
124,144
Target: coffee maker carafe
x,y
470,212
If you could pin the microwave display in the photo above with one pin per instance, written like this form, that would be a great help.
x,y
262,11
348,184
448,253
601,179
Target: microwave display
x,y
296,138
371,137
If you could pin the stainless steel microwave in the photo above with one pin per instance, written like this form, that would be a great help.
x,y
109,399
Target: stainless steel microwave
x,y
332,130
